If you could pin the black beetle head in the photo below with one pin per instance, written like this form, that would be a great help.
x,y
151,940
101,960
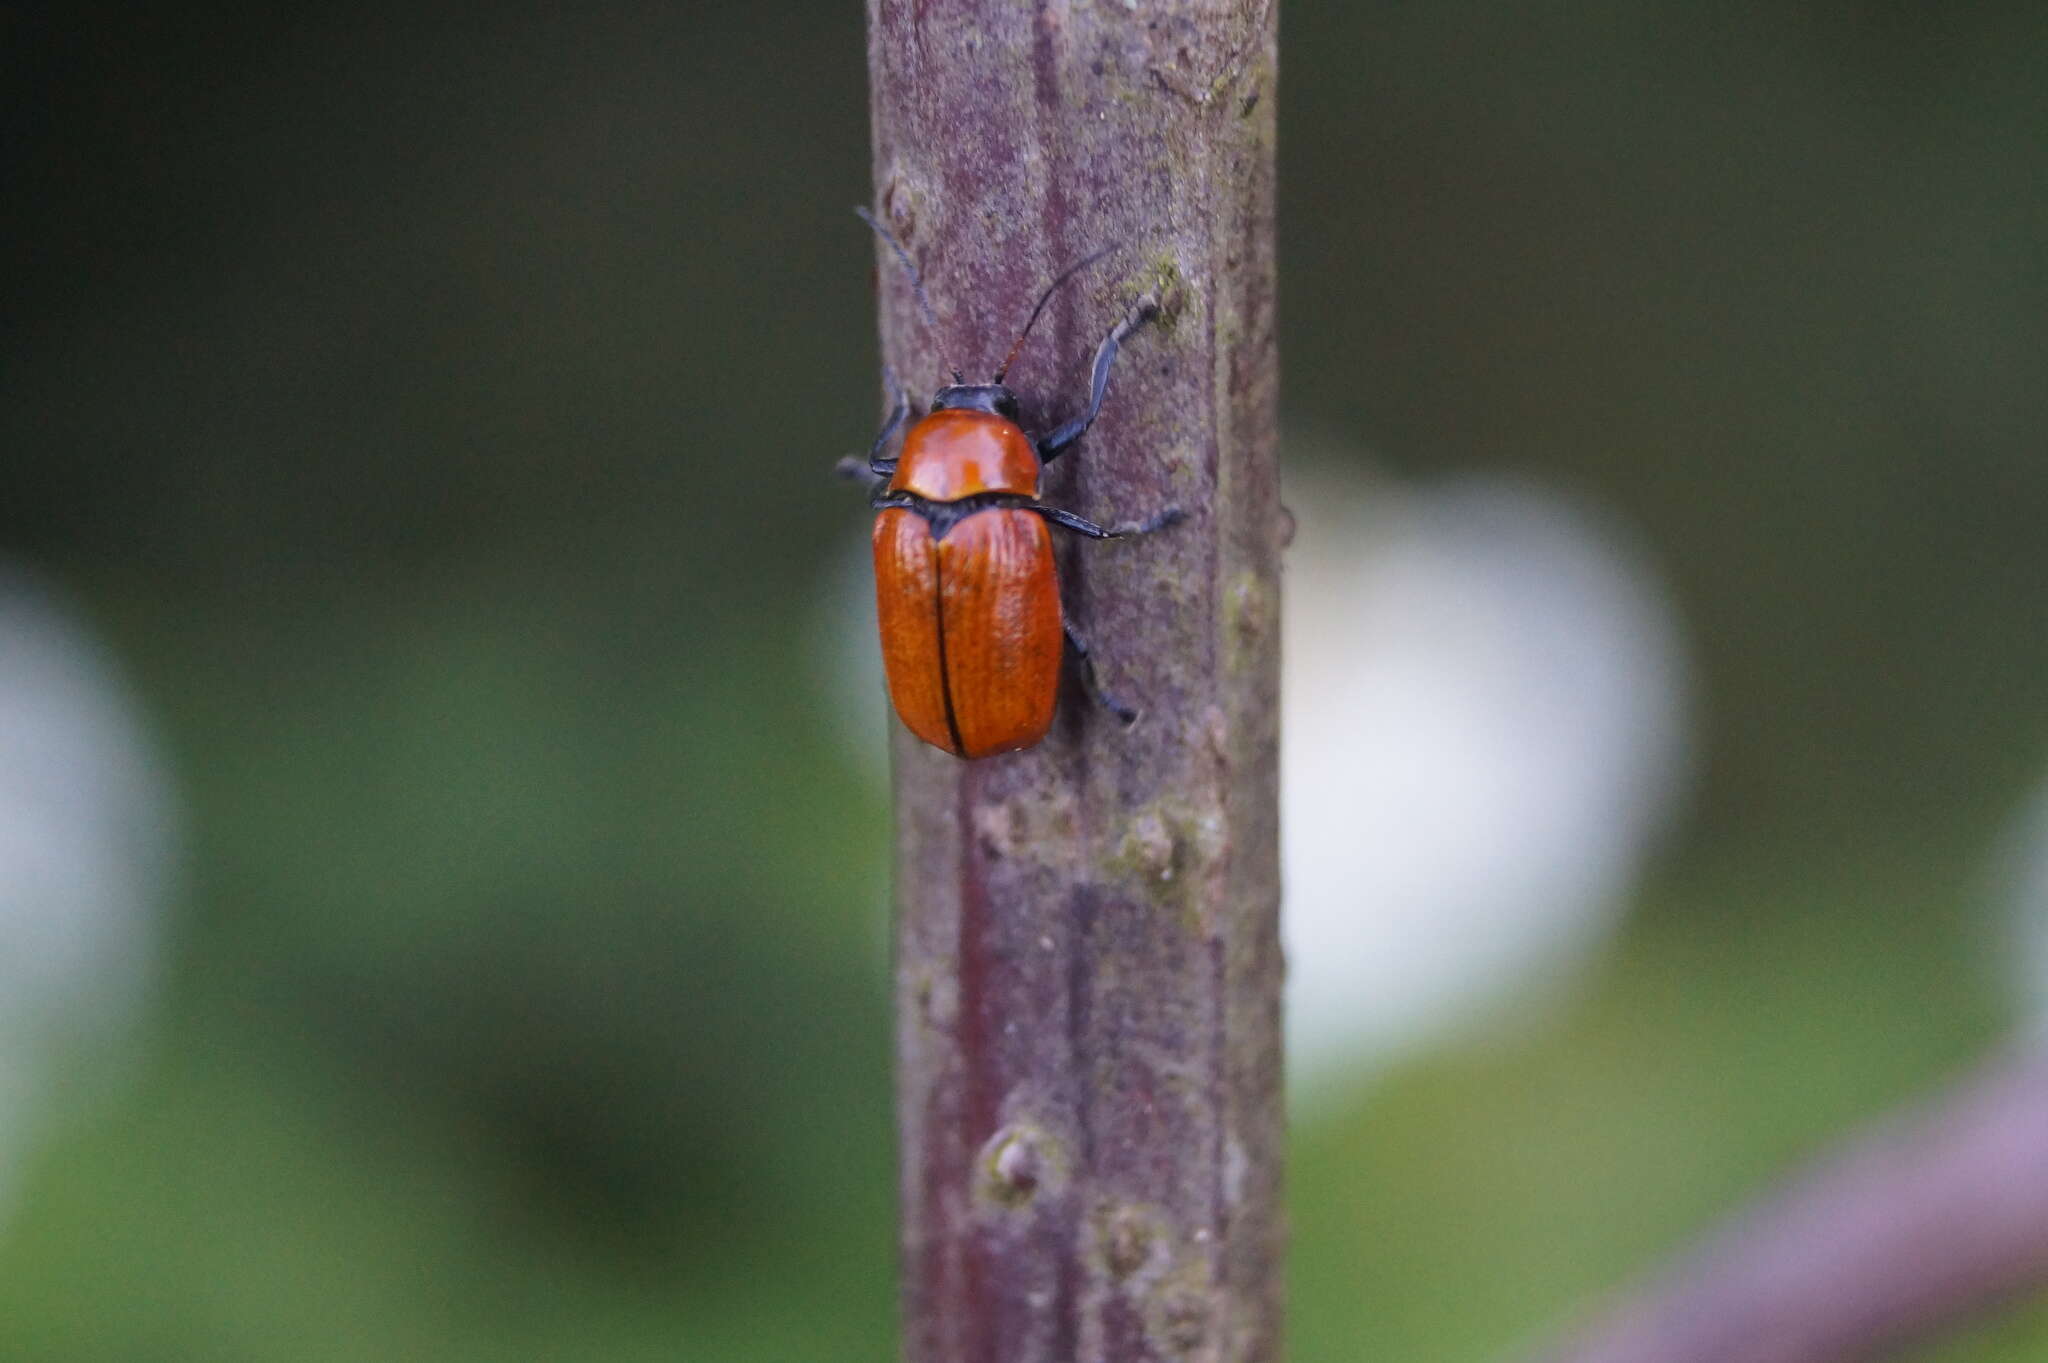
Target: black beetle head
x,y
977,397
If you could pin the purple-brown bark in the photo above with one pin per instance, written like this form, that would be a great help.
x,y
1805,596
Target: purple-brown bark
x,y
1088,965
1934,1216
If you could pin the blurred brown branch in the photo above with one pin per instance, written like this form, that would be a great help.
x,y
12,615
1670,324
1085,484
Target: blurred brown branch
x,y
1088,967
1933,1215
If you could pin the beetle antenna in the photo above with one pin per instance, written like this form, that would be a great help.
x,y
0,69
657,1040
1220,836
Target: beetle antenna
x,y
1045,298
924,304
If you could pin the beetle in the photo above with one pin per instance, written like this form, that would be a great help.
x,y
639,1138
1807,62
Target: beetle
x,y
966,590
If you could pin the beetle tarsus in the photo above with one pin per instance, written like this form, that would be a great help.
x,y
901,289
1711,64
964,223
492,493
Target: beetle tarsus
x,y
1081,525
1159,520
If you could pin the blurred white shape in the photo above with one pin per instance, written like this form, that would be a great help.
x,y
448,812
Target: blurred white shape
x,y
86,855
1483,732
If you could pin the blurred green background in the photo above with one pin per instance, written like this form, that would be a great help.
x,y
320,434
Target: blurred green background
x,y
432,410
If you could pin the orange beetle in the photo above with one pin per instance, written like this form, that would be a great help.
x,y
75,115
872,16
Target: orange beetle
x,y
965,585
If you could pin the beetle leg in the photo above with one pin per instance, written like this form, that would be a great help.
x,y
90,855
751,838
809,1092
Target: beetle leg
x,y
1124,713
877,465
1067,520
1053,446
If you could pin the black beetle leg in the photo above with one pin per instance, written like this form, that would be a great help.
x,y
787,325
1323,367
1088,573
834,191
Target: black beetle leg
x,y
1081,525
1053,446
1124,713
877,466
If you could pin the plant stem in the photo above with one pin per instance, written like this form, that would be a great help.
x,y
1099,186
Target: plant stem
x,y
1931,1217
1088,965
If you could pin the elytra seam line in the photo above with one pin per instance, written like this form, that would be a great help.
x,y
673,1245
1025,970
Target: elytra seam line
x,y
945,679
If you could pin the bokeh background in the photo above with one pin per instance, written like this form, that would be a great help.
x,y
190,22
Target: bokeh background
x,y
442,814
